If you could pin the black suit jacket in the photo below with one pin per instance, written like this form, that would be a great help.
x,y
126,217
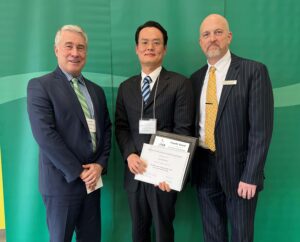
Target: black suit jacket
x,y
60,129
173,111
243,126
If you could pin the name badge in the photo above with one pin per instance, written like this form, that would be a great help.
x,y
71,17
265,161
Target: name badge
x,y
147,126
91,124
229,82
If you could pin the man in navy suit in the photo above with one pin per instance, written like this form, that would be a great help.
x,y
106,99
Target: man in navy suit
x,y
234,122
73,131
169,103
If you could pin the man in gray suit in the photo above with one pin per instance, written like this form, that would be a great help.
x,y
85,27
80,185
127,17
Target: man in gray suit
x,y
234,122
167,103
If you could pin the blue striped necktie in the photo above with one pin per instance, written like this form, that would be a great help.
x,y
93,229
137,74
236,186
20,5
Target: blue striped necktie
x,y
84,106
146,88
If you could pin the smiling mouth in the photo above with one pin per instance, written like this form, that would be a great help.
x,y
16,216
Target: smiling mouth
x,y
74,61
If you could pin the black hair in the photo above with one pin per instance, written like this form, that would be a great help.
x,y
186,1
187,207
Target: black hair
x,y
154,25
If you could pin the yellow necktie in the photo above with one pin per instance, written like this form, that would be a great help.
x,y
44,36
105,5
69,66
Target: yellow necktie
x,y
211,109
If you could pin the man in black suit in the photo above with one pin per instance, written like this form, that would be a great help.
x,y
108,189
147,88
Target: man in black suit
x,y
169,103
71,124
234,122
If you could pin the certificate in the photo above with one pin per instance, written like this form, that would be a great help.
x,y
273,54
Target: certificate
x,y
168,158
163,164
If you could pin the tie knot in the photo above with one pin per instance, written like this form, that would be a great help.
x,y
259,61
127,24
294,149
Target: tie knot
x,y
74,81
212,69
147,80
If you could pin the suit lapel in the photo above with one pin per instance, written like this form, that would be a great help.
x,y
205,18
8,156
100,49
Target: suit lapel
x,y
70,95
96,107
198,90
135,91
160,84
232,74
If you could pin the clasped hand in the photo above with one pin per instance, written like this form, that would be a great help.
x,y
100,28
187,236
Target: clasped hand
x,y
90,175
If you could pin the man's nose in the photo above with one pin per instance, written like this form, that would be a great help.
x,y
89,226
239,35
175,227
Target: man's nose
x,y
212,37
150,46
74,51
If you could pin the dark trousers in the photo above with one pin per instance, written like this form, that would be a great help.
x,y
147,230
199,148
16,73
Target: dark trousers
x,y
150,203
72,213
217,210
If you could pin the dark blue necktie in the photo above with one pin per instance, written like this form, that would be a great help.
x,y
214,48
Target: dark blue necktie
x,y
146,88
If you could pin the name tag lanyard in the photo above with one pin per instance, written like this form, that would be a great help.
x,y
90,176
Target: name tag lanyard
x,y
154,104
148,126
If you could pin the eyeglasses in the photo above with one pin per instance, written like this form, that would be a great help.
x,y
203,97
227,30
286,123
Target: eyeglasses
x,y
145,42
207,34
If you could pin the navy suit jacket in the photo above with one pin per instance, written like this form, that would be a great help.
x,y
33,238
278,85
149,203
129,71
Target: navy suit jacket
x,y
60,129
173,111
243,126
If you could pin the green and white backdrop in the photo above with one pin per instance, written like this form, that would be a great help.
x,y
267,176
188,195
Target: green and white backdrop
x,y
267,31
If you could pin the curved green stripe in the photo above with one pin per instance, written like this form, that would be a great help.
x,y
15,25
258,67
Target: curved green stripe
x,y
287,96
14,87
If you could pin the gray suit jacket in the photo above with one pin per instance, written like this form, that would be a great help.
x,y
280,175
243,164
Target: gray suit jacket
x,y
173,111
243,127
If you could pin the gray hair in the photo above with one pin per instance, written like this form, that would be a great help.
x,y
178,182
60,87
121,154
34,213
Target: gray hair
x,y
71,28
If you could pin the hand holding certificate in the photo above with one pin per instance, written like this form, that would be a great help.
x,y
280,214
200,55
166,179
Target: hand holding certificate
x,y
167,159
98,185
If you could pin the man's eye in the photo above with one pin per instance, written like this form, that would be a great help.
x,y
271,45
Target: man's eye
x,y
218,32
80,47
205,35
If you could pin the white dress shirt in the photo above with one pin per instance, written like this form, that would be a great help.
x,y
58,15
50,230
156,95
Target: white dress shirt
x,y
154,75
222,67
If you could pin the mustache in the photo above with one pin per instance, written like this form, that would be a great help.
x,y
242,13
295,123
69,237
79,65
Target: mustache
x,y
213,44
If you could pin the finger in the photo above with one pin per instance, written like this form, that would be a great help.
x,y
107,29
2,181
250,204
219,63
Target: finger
x,y
132,169
141,168
87,166
161,186
249,194
92,187
252,193
244,193
90,179
240,192
168,189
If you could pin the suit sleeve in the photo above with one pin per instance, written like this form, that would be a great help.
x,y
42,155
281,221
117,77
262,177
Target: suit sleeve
x,y
41,115
261,109
106,136
184,109
123,133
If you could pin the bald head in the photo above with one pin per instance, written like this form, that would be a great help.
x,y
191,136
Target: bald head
x,y
215,37
215,18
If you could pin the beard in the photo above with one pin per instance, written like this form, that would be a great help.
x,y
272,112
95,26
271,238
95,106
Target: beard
x,y
213,52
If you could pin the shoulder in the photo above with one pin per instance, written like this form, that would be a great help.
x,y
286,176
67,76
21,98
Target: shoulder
x,y
44,80
172,76
247,63
130,81
198,73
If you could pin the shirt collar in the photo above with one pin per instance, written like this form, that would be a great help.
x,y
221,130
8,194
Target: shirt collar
x,y
70,77
154,74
